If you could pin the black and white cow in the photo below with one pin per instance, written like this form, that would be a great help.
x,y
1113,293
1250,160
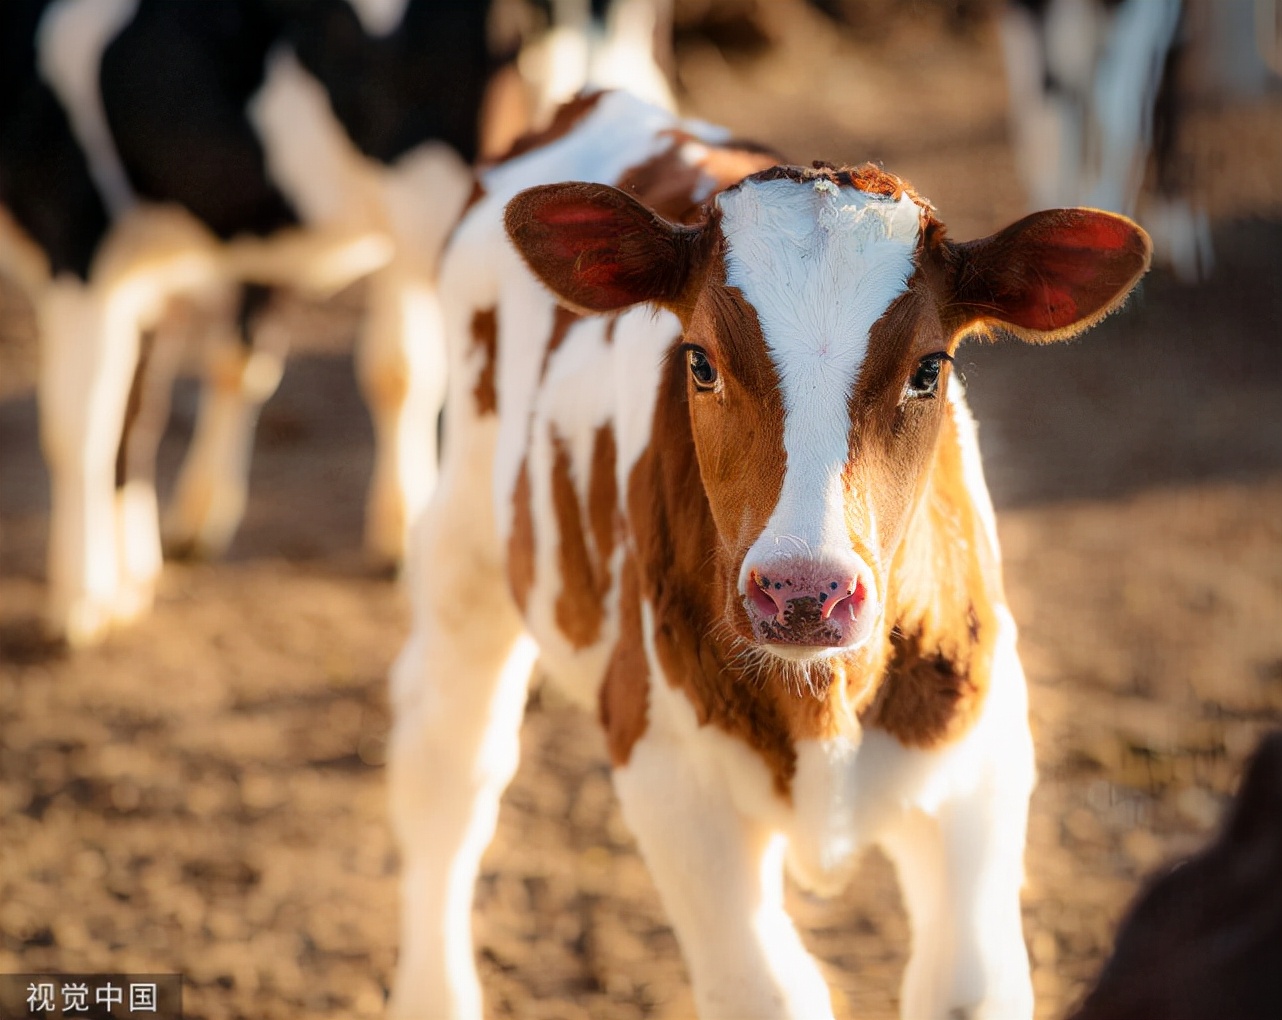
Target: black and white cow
x,y
154,151
1094,100
156,155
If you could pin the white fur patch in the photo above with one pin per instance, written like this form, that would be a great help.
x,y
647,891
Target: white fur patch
x,y
379,17
309,156
972,463
619,132
820,266
72,37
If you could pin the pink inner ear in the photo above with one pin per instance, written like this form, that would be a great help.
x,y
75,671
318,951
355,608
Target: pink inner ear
x,y
562,214
582,232
1068,268
1068,285
1101,233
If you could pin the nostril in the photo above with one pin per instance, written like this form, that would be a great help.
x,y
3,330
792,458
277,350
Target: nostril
x,y
845,600
766,595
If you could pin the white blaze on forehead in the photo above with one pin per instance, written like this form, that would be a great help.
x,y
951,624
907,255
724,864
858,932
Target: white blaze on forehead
x,y
820,264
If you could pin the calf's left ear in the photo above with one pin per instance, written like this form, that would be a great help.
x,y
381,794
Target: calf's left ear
x,y
598,249
1049,276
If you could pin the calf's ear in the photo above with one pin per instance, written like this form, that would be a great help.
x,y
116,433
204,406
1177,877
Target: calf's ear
x,y
598,249
1049,276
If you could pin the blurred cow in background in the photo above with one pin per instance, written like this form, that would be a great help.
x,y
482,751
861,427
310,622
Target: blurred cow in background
x,y
1093,87
1205,939
161,159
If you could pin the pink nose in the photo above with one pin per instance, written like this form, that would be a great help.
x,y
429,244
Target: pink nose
x,y
815,604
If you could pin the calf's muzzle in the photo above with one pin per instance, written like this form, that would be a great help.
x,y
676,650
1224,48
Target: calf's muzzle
x,y
805,603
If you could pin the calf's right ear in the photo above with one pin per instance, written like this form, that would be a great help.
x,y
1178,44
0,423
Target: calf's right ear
x,y
1049,276
598,249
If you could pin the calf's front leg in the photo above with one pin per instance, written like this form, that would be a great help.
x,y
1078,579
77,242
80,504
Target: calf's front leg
x,y
960,858
720,876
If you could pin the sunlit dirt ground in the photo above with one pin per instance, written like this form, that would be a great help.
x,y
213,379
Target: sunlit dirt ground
x,y
205,793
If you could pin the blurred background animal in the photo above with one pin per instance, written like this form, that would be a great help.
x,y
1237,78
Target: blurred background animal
x,y
1099,96
166,163
1203,938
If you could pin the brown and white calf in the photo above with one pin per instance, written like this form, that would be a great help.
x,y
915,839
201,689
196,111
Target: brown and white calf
x,y
728,491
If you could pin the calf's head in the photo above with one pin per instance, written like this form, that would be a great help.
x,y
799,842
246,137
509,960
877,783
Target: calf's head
x,y
821,310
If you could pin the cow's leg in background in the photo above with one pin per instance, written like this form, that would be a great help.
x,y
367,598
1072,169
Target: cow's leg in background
x,y
88,350
1125,89
401,368
1180,228
243,367
401,353
1095,96
458,694
146,414
1047,73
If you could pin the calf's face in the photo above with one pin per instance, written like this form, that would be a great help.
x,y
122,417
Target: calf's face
x,y
821,310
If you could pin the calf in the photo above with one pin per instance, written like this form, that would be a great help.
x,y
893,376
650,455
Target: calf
x,y
1204,939
1094,95
728,491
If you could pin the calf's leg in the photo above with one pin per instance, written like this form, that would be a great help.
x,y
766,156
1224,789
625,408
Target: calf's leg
x,y
960,858
458,696
720,876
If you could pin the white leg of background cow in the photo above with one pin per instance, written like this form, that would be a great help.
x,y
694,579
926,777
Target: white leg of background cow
x,y
213,486
961,866
401,358
1125,89
401,365
137,509
720,876
1046,125
1181,235
458,693
88,350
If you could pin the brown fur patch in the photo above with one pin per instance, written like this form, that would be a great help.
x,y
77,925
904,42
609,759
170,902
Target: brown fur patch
x,y
625,692
668,182
520,546
867,177
567,115
740,450
603,499
485,336
585,577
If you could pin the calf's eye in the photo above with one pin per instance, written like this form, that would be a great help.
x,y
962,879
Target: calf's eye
x,y
701,369
925,379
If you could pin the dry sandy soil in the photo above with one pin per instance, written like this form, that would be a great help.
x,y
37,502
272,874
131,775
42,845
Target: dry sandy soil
x,y
205,792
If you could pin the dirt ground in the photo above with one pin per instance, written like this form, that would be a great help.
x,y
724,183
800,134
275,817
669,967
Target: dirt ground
x,y
205,793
